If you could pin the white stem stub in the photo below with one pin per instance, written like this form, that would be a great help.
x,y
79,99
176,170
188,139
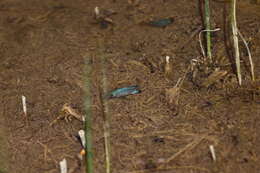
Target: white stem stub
x,y
24,105
167,59
82,137
96,10
63,166
212,151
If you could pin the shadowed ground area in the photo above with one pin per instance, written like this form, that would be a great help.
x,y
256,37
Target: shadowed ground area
x,y
44,46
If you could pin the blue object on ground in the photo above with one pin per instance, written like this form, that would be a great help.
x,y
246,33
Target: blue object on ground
x,y
121,92
161,22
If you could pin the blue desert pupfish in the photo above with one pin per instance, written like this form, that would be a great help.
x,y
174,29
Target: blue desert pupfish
x,y
121,92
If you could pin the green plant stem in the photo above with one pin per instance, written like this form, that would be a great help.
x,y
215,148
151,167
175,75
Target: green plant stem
x,y
235,39
207,26
107,120
88,117
104,107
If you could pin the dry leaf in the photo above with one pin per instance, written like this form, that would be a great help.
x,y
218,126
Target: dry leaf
x,y
172,98
68,109
172,95
214,77
137,63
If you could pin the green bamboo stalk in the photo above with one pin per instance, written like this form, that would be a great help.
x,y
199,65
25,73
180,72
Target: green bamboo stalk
x,y
88,117
207,26
235,39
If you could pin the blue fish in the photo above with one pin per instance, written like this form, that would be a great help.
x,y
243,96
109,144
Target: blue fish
x,y
121,92
161,22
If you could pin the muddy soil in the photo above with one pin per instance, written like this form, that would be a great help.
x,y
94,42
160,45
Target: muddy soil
x,y
44,47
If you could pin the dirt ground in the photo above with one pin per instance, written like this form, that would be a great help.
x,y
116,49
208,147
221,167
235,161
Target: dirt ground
x,y
43,49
